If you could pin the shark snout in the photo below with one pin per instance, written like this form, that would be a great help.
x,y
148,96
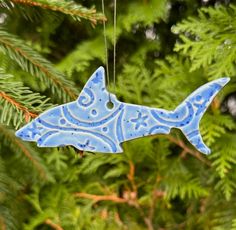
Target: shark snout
x,y
24,134
29,132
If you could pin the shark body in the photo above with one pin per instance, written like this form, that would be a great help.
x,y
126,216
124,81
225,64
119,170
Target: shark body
x,y
89,124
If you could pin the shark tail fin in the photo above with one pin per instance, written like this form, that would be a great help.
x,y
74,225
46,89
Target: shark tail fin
x,y
192,110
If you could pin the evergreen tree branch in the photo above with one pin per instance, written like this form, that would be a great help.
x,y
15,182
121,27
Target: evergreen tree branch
x,y
213,30
17,102
9,135
35,64
129,197
70,8
27,114
82,56
134,200
116,199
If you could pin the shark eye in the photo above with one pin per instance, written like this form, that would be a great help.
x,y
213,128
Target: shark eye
x,y
62,121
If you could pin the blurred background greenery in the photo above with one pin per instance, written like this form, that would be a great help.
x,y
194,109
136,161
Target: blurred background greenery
x,y
165,50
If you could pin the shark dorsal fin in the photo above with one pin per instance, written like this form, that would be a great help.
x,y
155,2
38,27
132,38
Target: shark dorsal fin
x,y
97,84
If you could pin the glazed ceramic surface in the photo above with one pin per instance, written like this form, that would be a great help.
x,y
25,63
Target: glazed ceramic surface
x,y
89,124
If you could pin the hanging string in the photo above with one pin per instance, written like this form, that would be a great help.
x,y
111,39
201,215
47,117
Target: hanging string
x,y
106,49
114,47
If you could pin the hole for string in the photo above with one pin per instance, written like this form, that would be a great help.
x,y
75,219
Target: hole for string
x,y
110,105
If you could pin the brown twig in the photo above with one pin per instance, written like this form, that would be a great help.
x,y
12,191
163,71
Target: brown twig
x,y
53,225
27,115
129,197
156,194
25,110
130,176
97,198
134,194
90,15
116,199
186,149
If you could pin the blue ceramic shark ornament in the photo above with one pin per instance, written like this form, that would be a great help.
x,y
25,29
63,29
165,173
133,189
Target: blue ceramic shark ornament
x,y
89,124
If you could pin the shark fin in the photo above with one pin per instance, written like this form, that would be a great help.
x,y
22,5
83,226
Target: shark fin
x,y
195,106
188,114
96,83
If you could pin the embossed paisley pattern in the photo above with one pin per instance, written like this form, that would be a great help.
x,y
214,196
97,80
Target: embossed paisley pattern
x,y
88,124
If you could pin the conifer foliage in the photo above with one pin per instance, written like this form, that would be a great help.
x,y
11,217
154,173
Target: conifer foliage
x,y
165,50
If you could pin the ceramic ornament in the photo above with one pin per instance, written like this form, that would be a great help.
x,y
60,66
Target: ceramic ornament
x,y
89,124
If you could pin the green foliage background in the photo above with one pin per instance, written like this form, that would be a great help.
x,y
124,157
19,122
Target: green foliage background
x,y
165,49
